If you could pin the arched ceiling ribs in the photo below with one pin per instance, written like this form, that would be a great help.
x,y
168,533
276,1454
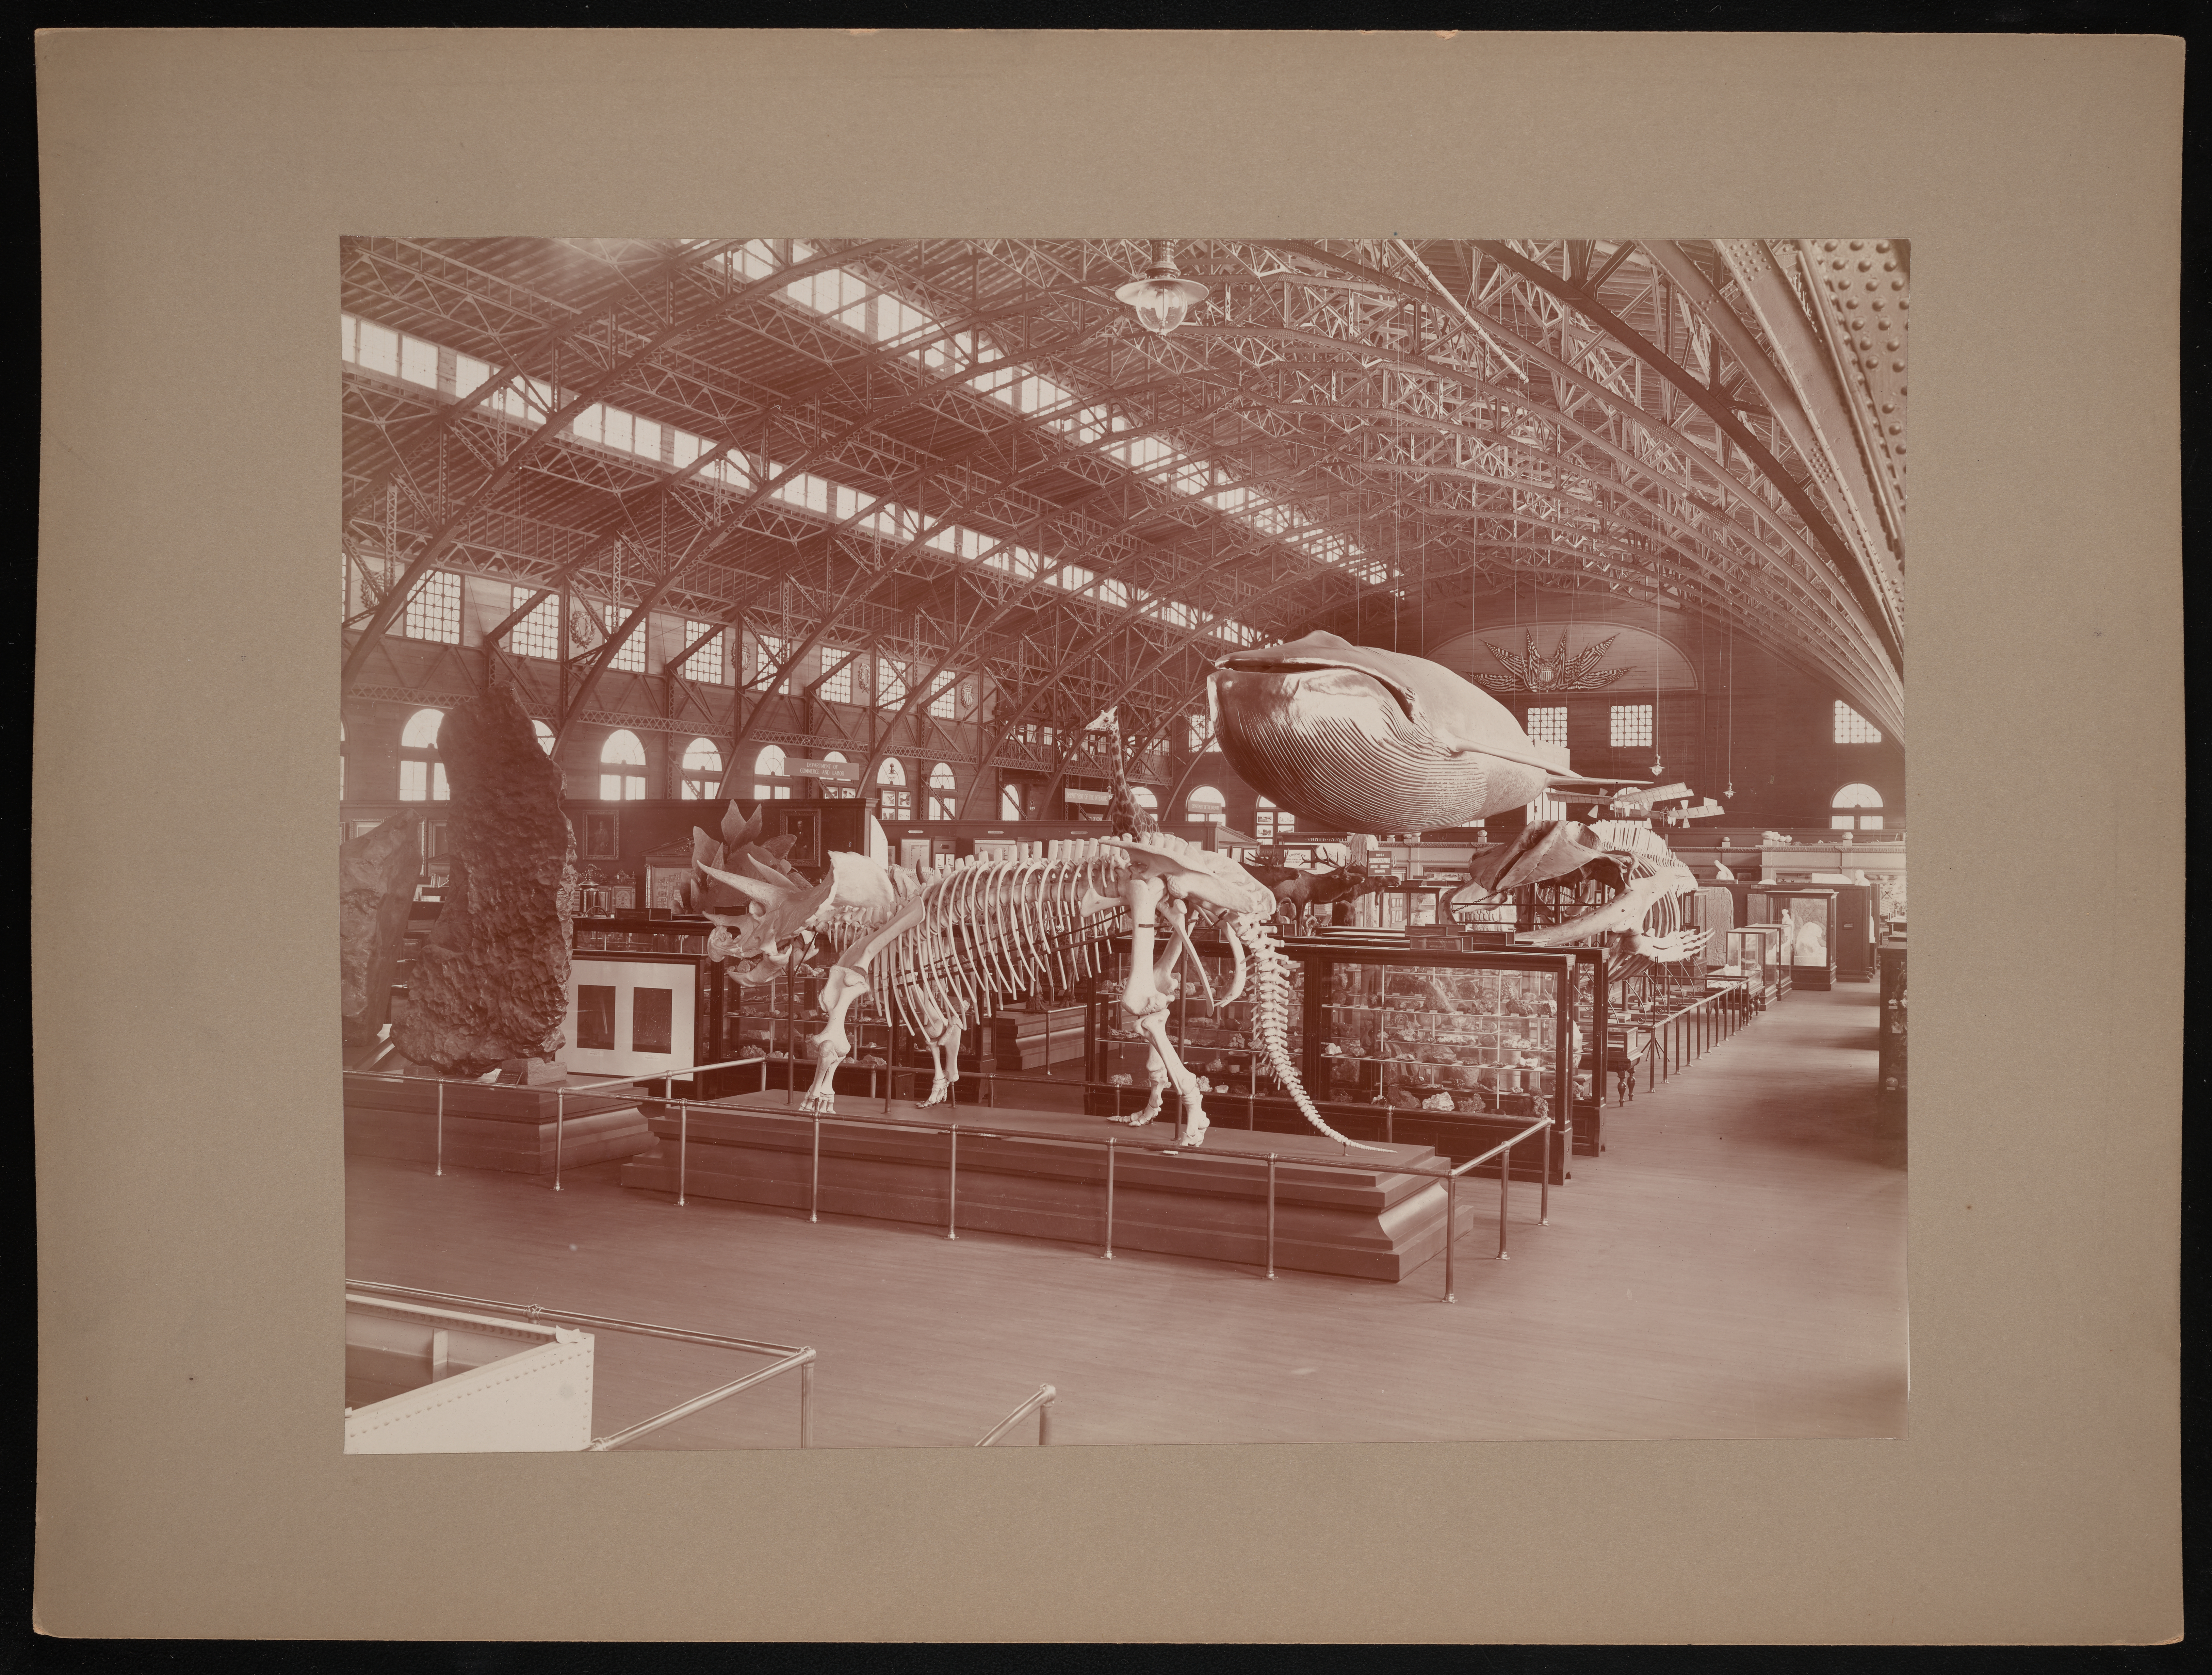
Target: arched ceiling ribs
x,y
1690,456
1710,401
1329,436
1817,394
1785,540
1674,531
1821,563
420,564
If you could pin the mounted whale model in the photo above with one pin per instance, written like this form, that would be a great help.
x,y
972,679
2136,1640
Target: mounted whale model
x,y
1360,740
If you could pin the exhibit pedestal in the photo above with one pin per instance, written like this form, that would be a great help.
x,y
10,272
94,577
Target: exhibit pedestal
x,y
489,1126
1375,1219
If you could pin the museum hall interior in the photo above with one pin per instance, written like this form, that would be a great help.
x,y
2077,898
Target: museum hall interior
x,y
947,841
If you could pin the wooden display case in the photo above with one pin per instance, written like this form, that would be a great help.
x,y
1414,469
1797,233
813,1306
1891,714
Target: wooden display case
x,y
1890,1061
633,1014
1855,932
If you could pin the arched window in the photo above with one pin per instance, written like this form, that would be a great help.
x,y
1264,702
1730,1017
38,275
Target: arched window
x,y
1207,805
895,799
943,804
1857,799
831,787
1269,823
1146,798
544,737
625,757
421,775
1010,801
702,771
768,766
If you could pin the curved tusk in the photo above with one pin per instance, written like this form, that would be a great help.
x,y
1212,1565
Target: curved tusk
x,y
1236,953
1182,939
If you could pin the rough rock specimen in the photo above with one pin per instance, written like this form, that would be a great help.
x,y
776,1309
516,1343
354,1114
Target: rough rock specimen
x,y
377,873
491,985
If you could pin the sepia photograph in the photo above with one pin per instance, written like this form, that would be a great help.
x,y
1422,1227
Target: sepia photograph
x,y
1008,842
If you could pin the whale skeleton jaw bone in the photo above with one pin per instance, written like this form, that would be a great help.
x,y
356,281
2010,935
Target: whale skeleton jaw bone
x,y
1647,908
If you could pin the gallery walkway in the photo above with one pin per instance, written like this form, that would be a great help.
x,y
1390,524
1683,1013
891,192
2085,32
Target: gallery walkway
x,y
1732,1267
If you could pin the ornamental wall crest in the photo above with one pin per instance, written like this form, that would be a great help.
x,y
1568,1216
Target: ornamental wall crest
x,y
1531,671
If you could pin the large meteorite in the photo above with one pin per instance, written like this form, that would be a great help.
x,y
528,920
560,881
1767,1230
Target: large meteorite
x,y
491,985
1355,740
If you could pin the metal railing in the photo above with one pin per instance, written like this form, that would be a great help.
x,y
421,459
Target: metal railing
x,y
1113,1144
1686,1033
1041,1403
788,1355
560,1092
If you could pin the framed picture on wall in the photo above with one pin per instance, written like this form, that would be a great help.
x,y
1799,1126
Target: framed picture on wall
x,y
601,837
804,828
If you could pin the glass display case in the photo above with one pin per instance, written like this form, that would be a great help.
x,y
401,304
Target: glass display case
x,y
1748,957
1453,1049
779,1019
1809,917
1215,1041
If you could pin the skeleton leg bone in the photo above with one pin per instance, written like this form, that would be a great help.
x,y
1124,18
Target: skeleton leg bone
x,y
1194,1124
941,1030
832,1046
1157,1074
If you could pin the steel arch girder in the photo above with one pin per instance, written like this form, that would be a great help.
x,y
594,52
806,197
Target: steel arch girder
x,y
1613,400
1839,551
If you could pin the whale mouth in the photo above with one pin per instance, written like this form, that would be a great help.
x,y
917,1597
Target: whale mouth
x,y
1317,673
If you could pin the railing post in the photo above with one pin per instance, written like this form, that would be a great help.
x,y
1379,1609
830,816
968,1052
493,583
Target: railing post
x,y
1451,1229
807,1403
560,1122
1544,1182
682,1147
1044,1424
440,1167
1505,1188
1110,1198
814,1179
1270,1214
952,1185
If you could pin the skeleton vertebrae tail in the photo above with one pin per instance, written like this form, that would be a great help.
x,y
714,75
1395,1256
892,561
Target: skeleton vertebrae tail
x,y
1271,1011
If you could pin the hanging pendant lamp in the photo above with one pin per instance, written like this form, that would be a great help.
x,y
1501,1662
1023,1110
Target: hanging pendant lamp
x,y
1163,298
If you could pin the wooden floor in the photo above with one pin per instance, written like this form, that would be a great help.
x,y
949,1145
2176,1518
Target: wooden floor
x,y
1732,1268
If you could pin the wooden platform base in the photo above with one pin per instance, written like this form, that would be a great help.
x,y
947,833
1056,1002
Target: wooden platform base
x,y
1377,1219
489,1127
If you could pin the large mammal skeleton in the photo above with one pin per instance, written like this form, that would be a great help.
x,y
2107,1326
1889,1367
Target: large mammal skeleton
x,y
948,947
1647,913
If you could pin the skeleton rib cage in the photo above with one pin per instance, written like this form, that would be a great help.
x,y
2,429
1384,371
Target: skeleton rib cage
x,y
995,931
